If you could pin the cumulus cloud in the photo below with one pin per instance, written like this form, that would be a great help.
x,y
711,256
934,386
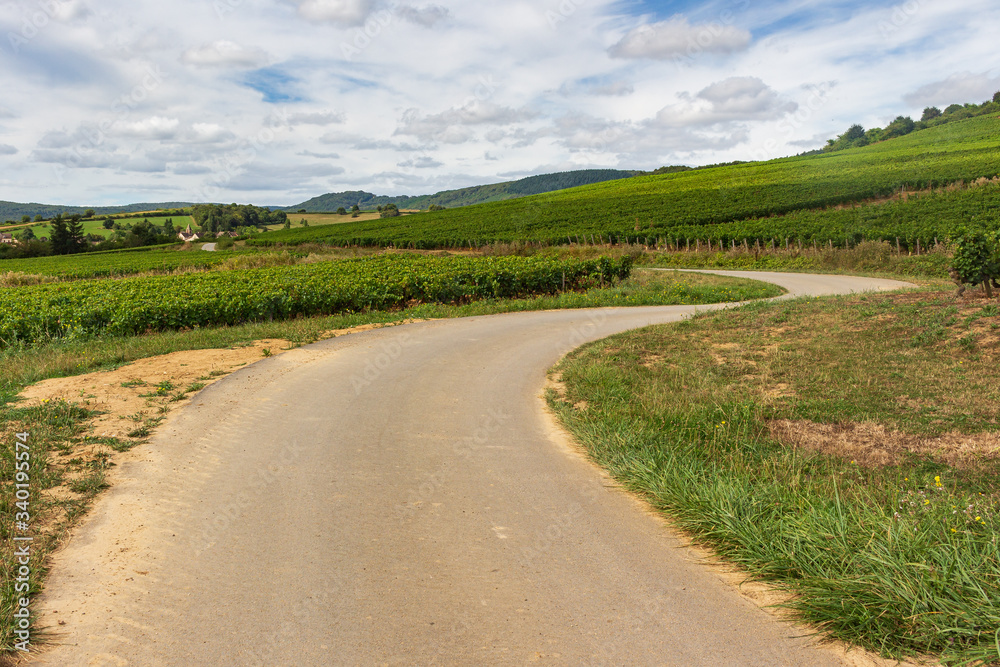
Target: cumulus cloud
x,y
69,10
224,54
423,162
453,126
208,133
342,12
155,127
738,98
956,89
425,16
676,37
7,149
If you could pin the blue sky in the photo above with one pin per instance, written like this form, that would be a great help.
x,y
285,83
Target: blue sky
x,y
276,101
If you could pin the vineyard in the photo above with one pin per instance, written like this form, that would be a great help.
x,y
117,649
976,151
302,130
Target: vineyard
x,y
132,306
765,197
114,264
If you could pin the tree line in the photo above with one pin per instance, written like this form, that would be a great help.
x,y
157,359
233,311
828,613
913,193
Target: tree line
x,y
857,136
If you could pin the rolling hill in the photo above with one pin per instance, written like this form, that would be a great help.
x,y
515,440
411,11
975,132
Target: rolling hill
x,y
731,202
13,211
532,185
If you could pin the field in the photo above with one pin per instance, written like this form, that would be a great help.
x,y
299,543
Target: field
x,y
32,315
114,263
321,219
684,204
96,226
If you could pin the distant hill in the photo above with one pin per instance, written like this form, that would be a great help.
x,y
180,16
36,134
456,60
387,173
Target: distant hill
x,y
818,198
14,211
533,185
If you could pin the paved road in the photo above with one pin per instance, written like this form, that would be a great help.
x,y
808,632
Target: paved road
x,y
398,497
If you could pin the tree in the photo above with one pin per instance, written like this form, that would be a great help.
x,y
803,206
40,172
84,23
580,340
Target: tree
x,y
435,207
109,223
902,126
77,239
389,211
930,113
854,132
25,219
355,209
39,218
59,237
996,97
288,224
27,234
341,211
89,213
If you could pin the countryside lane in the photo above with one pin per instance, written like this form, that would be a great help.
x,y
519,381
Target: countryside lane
x,y
399,497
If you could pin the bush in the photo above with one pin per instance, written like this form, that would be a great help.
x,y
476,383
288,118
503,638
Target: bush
x,y
976,260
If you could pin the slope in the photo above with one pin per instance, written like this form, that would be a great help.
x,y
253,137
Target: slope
x,y
656,206
329,203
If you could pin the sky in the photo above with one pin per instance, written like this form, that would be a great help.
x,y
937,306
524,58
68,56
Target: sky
x,y
272,102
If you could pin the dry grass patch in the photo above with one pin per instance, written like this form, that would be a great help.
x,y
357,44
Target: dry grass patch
x,y
874,445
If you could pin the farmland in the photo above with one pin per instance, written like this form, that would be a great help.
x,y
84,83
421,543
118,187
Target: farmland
x,y
130,306
675,205
114,264
96,225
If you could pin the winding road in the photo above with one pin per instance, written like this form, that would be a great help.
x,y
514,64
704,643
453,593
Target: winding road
x,y
399,497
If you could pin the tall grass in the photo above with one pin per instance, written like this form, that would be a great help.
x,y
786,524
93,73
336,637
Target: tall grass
x,y
900,558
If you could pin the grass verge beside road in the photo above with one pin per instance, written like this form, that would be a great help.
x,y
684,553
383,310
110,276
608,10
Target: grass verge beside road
x,y
846,449
69,460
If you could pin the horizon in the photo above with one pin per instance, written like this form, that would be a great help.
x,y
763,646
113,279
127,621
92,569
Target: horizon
x,y
278,101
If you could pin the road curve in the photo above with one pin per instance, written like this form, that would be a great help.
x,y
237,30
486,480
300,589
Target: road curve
x,y
398,497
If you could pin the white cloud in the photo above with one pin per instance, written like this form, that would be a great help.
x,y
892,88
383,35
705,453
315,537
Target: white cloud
x,y
225,54
69,10
322,156
209,133
342,12
676,38
155,127
321,118
7,149
453,126
425,16
603,88
956,89
423,162
739,98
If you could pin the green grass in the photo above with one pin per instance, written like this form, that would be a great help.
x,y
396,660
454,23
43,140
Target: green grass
x,y
658,206
96,225
843,449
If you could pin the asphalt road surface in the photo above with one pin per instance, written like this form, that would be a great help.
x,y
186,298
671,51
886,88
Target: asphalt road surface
x,y
399,497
